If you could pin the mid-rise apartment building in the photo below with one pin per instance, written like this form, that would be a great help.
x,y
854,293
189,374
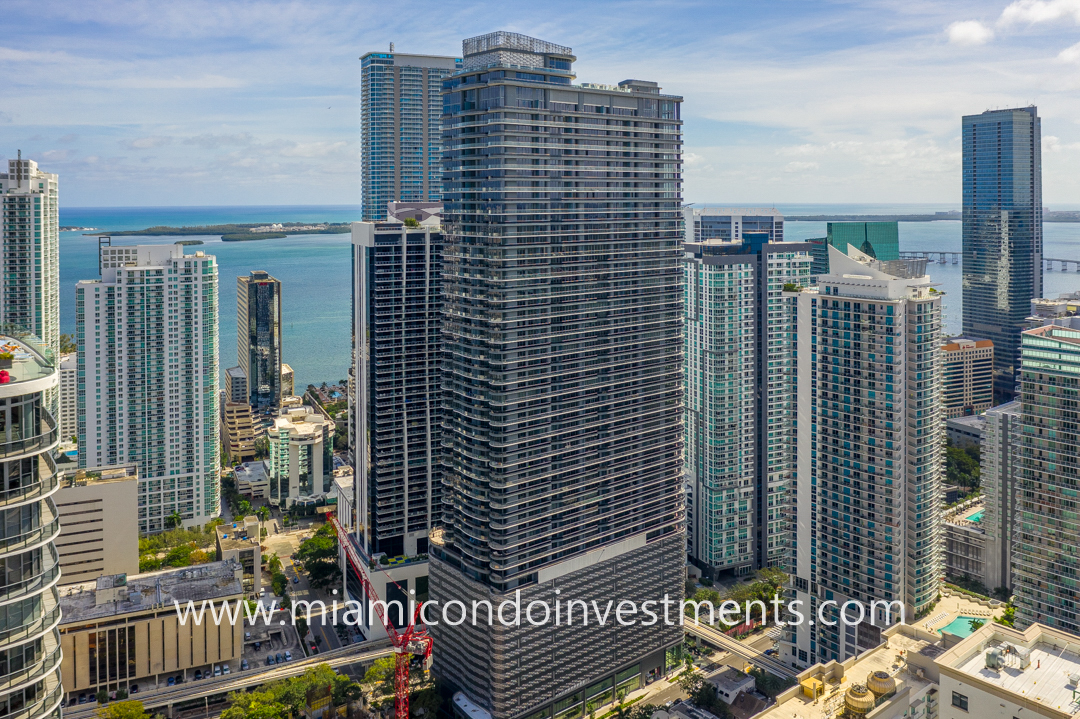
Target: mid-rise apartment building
x,y
69,397
300,464
401,128
1046,526
968,379
740,408
29,641
867,500
238,431
998,479
563,378
258,338
99,530
147,334
30,282
1002,233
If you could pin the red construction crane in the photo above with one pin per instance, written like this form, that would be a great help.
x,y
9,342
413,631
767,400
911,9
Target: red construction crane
x,y
412,640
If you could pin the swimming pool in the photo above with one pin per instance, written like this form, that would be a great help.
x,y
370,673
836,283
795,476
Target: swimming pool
x,y
977,517
961,626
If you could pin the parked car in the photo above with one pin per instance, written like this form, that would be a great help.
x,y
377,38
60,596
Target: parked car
x,y
170,682
243,664
258,646
133,689
247,636
288,656
277,658
269,660
198,674
82,698
770,652
217,671
296,580
92,698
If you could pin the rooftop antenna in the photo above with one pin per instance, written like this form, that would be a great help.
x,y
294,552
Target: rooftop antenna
x,y
391,47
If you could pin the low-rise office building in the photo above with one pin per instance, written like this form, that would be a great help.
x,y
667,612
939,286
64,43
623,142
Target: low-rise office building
x,y
252,479
99,529
238,431
120,630
968,376
239,542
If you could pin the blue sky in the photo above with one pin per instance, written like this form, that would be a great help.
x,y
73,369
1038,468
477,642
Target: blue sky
x,y
192,102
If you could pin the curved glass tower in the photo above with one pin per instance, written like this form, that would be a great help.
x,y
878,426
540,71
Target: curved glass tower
x,y
29,612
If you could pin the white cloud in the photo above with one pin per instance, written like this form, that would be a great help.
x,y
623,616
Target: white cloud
x,y
969,32
203,82
145,143
1031,12
56,155
1070,54
800,166
213,142
1050,143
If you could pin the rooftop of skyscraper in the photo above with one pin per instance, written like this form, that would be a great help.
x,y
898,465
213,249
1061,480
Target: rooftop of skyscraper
x,y
23,358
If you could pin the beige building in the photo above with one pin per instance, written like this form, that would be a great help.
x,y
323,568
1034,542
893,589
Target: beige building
x,y
252,479
99,526
69,397
965,543
288,381
968,376
1004,673
239,542
238,432
124,630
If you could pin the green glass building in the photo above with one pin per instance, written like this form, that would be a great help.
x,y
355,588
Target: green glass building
x,y
880,240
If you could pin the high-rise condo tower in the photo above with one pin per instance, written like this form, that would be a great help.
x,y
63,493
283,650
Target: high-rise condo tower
x,y
563,379
148,378
400,128
867,502
258,338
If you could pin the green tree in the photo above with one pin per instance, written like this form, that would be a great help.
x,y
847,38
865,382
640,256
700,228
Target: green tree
x,y
320,557
67,344
1008,617
962,466
380,676
641,711
975,624
255,709
122,710
273,564
243,509
149,563
429,699
174,521
411,222
179,556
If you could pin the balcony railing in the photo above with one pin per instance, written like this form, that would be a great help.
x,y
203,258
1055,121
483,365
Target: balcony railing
x,y
46,438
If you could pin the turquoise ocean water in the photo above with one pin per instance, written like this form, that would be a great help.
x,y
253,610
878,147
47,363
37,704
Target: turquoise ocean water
x,y
316,278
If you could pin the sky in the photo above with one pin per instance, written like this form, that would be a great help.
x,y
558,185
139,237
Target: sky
x,y
248,102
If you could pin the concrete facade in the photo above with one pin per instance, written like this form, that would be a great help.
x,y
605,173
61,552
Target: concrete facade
x,y
1000,470
238,432
69,397
99,529
240,542
300,462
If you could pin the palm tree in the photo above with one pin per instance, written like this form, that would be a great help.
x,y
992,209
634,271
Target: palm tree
x,y
174,520
263,513
975,624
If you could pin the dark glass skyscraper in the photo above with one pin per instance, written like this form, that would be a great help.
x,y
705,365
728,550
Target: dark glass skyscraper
x,y
258,337
1002,232
562,384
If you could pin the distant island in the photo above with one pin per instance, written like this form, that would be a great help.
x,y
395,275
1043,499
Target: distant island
x,y
189,242
242,232
1055,216
78,229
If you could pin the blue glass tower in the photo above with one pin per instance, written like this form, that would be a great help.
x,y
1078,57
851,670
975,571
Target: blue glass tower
x,y
401,128
1002,232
